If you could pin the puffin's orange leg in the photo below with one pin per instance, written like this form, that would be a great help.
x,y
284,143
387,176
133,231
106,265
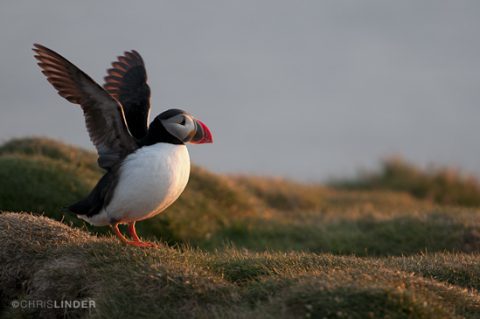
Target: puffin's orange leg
x,y
135,242
133,234
118,233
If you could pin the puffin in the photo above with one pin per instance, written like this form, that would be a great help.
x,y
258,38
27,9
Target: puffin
x,y
147,166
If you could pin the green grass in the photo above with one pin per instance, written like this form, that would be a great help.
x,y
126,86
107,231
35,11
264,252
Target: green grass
x,y
236,247
440,185
362,237
43,259
42,176
52,149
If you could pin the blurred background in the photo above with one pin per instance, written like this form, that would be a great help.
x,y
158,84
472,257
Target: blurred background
x,y
307,90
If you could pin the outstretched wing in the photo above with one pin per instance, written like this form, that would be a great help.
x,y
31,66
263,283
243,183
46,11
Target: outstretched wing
x,y
127,83
103,114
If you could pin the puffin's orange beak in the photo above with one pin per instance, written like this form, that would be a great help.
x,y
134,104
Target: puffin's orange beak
x,y
202,134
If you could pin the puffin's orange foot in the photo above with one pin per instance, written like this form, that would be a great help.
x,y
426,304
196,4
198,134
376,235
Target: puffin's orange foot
x,y
140,243
133,234
136,241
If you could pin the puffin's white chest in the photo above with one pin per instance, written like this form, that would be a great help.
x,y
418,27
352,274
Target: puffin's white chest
x,y
150,180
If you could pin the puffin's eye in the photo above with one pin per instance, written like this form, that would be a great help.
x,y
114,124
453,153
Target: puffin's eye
x,y
182,122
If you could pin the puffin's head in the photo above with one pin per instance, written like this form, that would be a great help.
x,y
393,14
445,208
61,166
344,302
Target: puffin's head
x,y
184,127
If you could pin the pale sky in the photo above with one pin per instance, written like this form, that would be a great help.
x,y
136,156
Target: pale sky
x,y
303,89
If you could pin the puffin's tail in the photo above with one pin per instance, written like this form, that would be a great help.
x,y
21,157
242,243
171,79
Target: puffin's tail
x,y
88,210
93,203
82,207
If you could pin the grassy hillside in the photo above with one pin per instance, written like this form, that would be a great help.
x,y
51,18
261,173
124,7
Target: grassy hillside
x,y
43,259
442,185
42,176
239,246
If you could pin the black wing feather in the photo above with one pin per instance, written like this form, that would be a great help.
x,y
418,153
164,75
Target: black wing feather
x,y
127,83
104,116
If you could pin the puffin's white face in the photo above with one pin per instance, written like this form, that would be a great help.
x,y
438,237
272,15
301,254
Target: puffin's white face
x,y
186,128
182,126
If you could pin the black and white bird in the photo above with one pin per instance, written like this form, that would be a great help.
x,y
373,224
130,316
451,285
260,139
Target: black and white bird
x,y
147,166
